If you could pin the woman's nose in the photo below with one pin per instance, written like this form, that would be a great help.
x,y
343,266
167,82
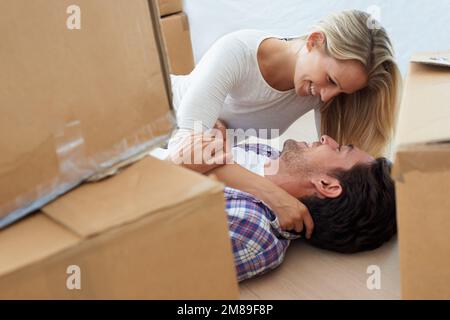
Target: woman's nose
x,y
327,94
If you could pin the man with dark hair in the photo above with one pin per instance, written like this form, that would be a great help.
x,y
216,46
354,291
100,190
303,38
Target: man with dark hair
x,y
349,194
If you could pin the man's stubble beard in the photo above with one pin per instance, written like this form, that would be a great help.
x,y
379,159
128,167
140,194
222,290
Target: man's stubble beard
x,y
294,160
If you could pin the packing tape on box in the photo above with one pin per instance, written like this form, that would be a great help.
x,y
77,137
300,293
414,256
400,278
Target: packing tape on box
x,y
70,152
75,167
140,150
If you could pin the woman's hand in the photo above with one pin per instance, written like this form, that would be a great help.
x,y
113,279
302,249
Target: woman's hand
x,y
202,152
221,126
291,213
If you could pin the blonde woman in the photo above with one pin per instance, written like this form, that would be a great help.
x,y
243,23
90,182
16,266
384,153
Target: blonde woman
x,y
343,69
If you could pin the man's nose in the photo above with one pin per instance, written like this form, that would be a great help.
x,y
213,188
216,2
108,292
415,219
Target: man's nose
x,y
329,141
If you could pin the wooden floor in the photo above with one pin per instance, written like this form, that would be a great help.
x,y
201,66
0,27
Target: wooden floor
x,y
310,273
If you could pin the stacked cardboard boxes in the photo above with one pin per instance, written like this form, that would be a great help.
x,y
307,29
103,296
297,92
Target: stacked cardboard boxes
x,y
153,231
167,7
89,102
422,173
177,38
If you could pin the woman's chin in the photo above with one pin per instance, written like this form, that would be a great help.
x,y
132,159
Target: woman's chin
x,y
303,89
301,93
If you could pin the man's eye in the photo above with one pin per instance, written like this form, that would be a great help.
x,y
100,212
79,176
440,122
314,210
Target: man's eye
x,y
330,80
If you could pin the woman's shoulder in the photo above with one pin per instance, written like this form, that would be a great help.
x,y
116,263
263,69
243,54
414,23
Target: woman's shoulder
x,y
249,33
248,37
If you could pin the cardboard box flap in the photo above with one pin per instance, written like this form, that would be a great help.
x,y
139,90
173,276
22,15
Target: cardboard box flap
x,y
439,58
169,6
425,110
75,101
424,158
128,196
31,240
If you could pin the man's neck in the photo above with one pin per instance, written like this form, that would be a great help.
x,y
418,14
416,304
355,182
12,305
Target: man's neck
x,y
296,187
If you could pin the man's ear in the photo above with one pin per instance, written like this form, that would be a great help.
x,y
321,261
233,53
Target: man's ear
x,y
327,186
315,40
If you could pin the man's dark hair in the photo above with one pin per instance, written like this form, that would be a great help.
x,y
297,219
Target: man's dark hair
x,y
363,217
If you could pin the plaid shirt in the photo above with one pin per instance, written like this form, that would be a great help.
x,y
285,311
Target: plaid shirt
x,y
258,242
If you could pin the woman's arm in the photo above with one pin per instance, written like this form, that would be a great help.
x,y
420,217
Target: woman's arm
x,y
221,68
291,213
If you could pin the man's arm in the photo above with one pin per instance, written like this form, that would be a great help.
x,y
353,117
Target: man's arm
x,y
256,249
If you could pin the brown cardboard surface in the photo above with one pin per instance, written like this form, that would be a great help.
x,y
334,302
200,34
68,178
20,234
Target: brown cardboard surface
x,y
432,157
425,113
169,6
424,238
147,186
74,102
422,173
32,240
180,250
177,39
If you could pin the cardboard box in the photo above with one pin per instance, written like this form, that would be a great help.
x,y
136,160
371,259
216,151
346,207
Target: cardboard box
x,y
75,102
167,7
177,39
153,231
85,103
422,173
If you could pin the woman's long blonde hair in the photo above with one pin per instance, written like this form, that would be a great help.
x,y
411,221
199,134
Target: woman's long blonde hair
x,y
367,117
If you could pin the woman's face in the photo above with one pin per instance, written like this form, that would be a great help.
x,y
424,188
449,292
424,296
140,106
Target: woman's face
x,y
318,74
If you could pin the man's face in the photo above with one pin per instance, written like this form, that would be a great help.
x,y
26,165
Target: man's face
x,y
320,157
